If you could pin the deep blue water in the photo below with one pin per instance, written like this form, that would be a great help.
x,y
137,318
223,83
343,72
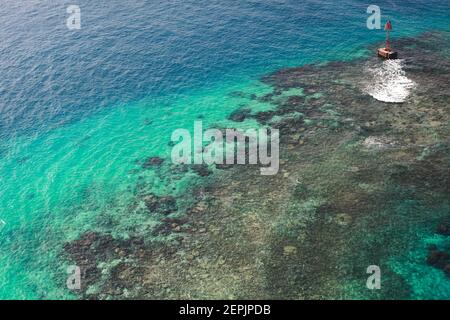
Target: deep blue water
x,y
127,50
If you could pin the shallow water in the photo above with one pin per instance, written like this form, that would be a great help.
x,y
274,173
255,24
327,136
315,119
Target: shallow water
x,y
80,109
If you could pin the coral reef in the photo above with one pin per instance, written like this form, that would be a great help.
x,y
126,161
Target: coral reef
x,y
361,182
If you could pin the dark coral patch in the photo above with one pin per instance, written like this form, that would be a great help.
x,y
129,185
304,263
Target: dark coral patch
x,y
240,114
164,204
201,169
152,162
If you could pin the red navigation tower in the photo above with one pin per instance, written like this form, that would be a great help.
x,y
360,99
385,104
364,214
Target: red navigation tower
x,y
388,29
387,52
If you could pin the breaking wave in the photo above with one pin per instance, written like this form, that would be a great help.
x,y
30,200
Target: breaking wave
x,y
388,82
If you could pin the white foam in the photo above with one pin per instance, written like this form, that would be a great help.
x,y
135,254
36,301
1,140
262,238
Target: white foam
x,y
388,82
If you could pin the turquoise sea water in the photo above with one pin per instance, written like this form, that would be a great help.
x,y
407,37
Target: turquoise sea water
x,y
80,108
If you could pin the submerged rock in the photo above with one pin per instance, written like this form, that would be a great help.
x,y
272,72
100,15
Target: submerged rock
x,y
267,97
152,162
201,169
444,228
87,251
289,250
169,225
437,258
240,114
224,166
264,117
447,270
125,274
300,191
164,204
343,219
378,142
200,207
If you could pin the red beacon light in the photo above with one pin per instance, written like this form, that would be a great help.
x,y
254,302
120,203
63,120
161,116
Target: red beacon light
x,y
387,52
